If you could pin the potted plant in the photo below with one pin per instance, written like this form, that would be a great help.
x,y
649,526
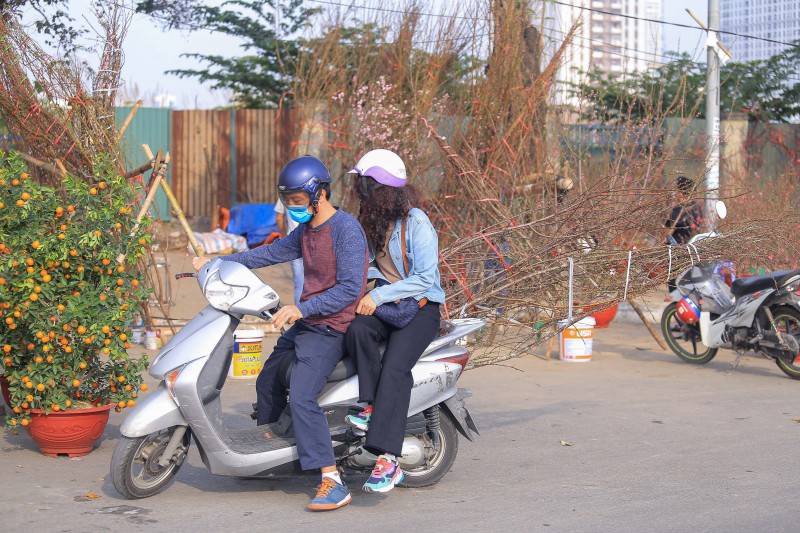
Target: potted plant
x,y
66,303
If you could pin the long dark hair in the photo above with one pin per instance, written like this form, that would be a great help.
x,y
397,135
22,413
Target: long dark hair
x,y
383,207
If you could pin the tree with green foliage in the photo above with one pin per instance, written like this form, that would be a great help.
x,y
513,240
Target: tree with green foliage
x,y
767,90
269,28
51,19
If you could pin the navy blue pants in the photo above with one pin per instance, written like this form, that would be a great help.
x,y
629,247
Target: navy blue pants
x,y
387,384
318,349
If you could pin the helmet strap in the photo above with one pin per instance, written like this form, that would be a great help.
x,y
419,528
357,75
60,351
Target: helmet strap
x,y
314,205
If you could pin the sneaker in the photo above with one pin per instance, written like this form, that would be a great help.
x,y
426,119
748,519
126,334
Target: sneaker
x,y
385,475
330,496
361,420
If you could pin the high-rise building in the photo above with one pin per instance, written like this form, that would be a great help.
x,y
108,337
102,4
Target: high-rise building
x,y
613,35
778,20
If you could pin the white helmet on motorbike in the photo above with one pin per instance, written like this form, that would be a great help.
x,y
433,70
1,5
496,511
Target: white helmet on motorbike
x,y
384,166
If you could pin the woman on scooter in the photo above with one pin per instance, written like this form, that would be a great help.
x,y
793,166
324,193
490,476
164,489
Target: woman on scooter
x,y
402,310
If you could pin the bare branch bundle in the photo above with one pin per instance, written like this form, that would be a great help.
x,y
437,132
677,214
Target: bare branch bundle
x,y
486,144
47,105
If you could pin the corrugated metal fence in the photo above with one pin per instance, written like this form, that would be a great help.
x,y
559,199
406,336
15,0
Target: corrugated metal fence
x,y
222,158
218,158
149,126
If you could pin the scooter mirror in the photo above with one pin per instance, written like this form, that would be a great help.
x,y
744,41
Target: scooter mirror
x,y
721,209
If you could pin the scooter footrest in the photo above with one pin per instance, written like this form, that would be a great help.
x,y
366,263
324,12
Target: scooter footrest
x,y
257,439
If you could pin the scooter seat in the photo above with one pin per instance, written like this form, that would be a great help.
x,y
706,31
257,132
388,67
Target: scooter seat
x,y
343,370
743,286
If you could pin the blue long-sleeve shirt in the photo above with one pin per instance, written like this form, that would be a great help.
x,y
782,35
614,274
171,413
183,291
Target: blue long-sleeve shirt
x,y
334,264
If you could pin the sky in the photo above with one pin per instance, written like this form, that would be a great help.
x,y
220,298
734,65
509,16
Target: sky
x,y
684,39
150,51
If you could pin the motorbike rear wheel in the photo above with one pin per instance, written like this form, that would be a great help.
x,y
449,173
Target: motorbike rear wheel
x,y
439,461
788,321
684,339
135,471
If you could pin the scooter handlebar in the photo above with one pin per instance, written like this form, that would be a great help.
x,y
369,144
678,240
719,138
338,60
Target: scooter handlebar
x,y
186,275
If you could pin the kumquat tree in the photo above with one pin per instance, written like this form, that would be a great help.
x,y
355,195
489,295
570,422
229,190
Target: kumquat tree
x,y
65,301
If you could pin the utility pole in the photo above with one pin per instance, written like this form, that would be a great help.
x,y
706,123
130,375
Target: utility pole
x,y
712,113
712,106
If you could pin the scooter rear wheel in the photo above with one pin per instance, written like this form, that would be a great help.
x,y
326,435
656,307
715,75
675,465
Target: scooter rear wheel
x,y
684,339
135,471
439,461
787,320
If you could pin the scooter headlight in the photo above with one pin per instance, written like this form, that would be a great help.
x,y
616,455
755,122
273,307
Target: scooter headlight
x,y
223,295
792,285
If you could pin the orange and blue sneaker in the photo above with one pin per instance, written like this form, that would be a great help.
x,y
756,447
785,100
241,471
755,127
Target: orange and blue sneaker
x,y
361,420
385,475
330,495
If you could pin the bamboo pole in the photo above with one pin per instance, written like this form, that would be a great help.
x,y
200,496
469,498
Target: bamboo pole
x,y
155,180
182,218
44,166
129,119
178,211
648,325
61,167
140,170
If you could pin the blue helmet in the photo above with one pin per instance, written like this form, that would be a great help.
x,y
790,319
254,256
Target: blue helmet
x,y
305,174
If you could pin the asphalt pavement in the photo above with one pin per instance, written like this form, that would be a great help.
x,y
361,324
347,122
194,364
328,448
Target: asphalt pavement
x,y
634,440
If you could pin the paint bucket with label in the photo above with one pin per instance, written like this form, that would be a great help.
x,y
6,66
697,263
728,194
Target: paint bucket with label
x,y
575,342
246,361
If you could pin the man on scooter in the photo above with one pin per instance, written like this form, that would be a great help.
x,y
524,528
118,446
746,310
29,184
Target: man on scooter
x,y
333,248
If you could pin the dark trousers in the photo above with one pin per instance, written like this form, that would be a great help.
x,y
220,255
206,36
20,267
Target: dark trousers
x,y
387,384
317,350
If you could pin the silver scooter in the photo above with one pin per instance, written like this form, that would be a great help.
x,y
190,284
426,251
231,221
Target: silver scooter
x,y
193,367
760,313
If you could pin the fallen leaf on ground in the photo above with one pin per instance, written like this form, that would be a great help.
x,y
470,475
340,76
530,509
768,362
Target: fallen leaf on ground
x,y
565,443
92,495
795,419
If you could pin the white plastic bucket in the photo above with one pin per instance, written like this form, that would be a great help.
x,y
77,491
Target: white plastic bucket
x,y
137,335
575,342
151,340
247,346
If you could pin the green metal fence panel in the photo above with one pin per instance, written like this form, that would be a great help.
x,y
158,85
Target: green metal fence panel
x,y
151,126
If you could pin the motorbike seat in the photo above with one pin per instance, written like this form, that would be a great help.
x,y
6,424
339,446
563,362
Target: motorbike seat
x,y
346,367
743,286
343,369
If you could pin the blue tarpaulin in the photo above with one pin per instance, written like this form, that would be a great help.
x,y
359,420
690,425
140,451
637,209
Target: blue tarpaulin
x,y
254,221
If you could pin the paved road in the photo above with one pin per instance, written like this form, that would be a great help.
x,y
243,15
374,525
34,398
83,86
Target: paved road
x,y
656,445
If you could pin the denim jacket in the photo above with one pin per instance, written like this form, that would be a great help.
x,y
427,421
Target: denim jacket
x,y
422,246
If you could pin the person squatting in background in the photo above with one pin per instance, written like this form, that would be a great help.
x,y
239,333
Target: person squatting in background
x,y
685,219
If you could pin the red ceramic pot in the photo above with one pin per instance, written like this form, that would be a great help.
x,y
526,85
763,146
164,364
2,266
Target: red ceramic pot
x,y
4,389
603,318
73,432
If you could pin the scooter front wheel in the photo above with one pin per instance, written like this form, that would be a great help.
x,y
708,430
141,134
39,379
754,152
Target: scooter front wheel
x,y
684,339
135,469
